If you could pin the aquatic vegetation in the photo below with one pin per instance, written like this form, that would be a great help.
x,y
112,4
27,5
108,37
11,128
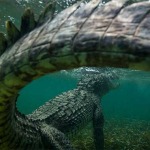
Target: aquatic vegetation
x,y
83,139
125,134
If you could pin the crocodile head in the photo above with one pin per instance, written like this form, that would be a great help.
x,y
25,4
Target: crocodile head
x,y
99,83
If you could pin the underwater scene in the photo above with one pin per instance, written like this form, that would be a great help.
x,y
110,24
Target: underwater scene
x,y
126,108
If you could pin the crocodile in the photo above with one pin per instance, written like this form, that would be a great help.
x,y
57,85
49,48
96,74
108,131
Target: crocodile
x,y
73,109
85,34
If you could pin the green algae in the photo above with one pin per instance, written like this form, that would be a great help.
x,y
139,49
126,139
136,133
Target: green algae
x,y
125,134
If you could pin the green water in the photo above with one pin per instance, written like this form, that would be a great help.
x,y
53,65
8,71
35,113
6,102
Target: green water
x,y
126,109
131,101
43,89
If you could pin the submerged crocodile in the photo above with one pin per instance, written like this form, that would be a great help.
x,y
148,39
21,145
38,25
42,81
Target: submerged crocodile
x,y
114,34
71,110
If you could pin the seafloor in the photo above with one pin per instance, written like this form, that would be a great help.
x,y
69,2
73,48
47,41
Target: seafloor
x,y
122,134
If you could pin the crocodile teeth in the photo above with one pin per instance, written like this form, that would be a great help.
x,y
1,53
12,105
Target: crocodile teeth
x,y
28,22
3,43
13,34
48,13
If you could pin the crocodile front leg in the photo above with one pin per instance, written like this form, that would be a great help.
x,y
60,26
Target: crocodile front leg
x,y
98,123
54,139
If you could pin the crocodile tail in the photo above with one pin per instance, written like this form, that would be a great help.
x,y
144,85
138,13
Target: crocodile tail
x,y
3,43
47,14
54,138
89,35
28,22
8,94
